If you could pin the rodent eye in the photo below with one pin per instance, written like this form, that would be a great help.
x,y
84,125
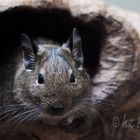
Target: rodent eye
x,y
72,78
40,79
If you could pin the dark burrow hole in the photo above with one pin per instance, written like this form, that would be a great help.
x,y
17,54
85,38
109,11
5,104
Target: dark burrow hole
x,y
55,24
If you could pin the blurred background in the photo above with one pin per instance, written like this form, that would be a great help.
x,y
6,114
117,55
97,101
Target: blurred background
x,y
127,4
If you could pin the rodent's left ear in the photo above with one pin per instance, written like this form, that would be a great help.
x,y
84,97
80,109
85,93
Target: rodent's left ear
x,y
77,49
29,55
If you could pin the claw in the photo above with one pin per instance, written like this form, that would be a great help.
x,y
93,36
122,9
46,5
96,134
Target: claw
x,y
67,121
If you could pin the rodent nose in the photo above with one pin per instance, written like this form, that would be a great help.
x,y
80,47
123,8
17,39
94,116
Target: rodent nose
x,y
56,110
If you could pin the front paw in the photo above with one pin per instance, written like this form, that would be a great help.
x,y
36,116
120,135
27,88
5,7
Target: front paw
x,y
67,121
70,126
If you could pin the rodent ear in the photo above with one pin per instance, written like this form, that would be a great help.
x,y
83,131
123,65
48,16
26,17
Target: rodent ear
x,y
74,45
29,55
77,49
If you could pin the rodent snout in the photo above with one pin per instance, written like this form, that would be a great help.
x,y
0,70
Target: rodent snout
x,y
55,109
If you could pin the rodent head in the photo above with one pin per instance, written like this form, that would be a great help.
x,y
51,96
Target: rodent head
x,y
51,78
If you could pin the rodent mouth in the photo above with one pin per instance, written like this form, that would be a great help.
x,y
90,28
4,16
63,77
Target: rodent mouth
x,y
64,120
72,118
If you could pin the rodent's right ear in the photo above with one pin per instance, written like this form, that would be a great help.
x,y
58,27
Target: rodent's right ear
x,y
29,55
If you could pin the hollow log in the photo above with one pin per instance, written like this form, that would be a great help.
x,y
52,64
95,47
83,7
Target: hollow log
x,y
111,46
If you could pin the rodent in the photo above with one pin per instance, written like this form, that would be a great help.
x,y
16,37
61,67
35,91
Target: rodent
x,y
50,83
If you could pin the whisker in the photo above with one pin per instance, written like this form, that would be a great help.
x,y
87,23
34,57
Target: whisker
x,y
35,118
7,111
23,119
5,106
41,118
20,114
12,119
